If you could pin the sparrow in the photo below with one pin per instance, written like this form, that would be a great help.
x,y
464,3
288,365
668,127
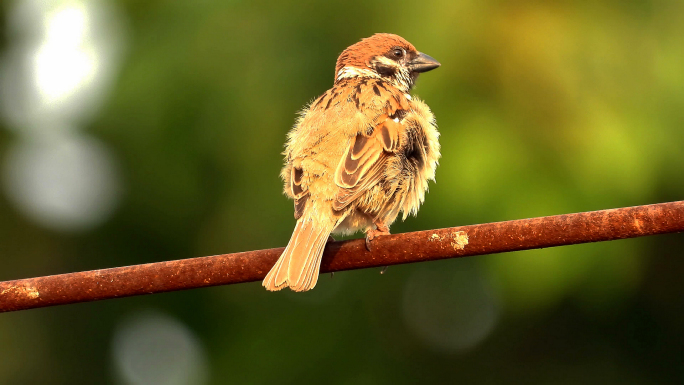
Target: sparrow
x,y
358,155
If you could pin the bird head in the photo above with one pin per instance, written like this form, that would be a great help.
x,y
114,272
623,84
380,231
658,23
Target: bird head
x,y
385,56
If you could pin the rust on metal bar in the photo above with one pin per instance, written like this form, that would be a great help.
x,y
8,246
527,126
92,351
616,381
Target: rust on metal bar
x,y
420,246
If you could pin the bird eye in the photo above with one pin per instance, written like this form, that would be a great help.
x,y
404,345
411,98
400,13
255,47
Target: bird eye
x,y
398,53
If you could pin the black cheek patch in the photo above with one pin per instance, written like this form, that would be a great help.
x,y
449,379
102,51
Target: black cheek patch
x,y
385,70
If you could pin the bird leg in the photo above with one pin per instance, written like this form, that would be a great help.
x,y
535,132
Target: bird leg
x,y
380,229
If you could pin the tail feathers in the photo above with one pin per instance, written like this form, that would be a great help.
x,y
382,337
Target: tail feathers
x,y
299,265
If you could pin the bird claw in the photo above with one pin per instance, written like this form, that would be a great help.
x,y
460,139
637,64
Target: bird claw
x,y
384,270
374,233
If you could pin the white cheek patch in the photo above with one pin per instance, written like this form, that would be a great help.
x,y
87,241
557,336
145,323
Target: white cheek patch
x,y
387,61
354,72
401,79
396,120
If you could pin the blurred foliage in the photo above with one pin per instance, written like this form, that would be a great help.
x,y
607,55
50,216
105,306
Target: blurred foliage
x,y
544,108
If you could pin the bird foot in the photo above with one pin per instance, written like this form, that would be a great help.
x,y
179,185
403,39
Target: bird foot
x,y
374,233
384,270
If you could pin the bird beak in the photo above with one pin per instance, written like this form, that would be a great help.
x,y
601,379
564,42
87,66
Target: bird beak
x,y
423,63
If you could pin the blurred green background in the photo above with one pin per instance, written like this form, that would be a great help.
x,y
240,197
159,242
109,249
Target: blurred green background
x,y
135,132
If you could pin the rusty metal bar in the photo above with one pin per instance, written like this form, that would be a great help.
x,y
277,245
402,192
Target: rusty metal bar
x,y
420,246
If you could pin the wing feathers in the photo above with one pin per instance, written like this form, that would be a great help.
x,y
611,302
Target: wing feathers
x,y
388,134
296,182
300,195
362,165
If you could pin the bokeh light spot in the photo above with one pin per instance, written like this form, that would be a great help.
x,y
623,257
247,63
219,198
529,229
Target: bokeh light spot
x,y
66,183
450,310
154,349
